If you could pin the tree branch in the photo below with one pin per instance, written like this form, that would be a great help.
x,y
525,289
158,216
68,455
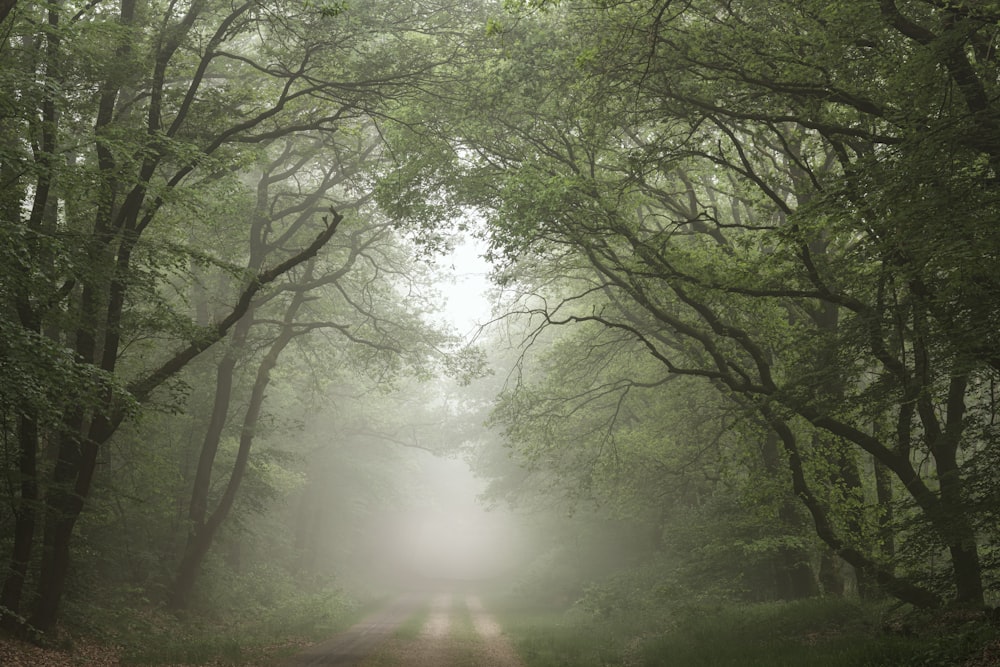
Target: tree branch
x,y
142,388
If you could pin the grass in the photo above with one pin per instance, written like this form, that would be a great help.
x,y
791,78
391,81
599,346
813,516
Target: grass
x,y
412,627
818,633
157,638
555,638
466,641
407,631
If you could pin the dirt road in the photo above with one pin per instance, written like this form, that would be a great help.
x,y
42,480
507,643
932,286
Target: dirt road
x,y
457,632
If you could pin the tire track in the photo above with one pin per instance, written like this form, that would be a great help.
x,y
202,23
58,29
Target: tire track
x,y
496,650
458,632
355,644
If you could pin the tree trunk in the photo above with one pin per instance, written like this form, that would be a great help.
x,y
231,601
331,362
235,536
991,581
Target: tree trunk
x,y
76,462
900,588
794,578
24,524
883,493
65,499
830,577
956,527
203,534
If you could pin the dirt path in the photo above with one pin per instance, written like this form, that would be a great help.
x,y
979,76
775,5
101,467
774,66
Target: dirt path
x,y
352,646
458,632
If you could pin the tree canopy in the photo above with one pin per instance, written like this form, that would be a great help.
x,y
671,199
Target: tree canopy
x,y
794,202
744,252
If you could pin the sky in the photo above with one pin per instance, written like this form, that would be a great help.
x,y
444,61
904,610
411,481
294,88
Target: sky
x,y
468,305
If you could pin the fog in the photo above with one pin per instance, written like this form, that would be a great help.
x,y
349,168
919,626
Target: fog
x,y
442,529
445,533
737,347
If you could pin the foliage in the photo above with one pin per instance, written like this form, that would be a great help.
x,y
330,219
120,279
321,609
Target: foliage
x,y
761,196
820,632
282,627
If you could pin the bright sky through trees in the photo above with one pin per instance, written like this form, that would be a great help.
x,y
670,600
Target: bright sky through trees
x,y
467,304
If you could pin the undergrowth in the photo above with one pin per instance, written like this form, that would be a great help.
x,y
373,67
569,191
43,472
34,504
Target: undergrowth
x,y
255,634
818,633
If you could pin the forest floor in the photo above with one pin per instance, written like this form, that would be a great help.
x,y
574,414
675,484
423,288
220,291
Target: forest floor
x,y
21,654
441,630
453,629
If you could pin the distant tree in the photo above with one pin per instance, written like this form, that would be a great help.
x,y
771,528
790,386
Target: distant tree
x,y
358,307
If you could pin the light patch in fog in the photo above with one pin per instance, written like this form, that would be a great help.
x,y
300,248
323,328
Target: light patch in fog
x,y
465,287
448,534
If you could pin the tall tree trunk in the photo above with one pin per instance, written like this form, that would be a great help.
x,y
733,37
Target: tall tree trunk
x,y
224,379
203,531
901,588
794,578
24,523
952,521
77,458
30,315
883,493
71,480
202,536
830,578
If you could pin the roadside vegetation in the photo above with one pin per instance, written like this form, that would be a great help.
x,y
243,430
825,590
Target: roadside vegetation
x,y
254,631
818,633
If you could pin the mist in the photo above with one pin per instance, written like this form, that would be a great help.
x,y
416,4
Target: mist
x,y
499,332
443,533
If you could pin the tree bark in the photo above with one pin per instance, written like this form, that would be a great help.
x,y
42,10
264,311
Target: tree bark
x,y
6,7
24,523
883,493
77,457
902,589
203,535
203,531
794,578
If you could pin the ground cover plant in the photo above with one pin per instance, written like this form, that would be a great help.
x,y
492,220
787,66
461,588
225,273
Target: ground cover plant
x,y
826,633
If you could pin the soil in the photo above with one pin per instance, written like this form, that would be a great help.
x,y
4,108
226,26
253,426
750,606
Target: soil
x,y
445,640
352,646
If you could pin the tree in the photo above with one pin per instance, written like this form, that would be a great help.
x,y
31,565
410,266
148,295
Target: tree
x,y
755,213
361,310
109,153
594,423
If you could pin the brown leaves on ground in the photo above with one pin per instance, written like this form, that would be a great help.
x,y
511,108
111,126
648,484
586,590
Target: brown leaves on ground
x,y
14,653
989,657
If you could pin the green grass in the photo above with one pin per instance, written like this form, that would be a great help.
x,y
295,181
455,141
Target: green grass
x,y
466,642
818,633
156,638
554,638
412,627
